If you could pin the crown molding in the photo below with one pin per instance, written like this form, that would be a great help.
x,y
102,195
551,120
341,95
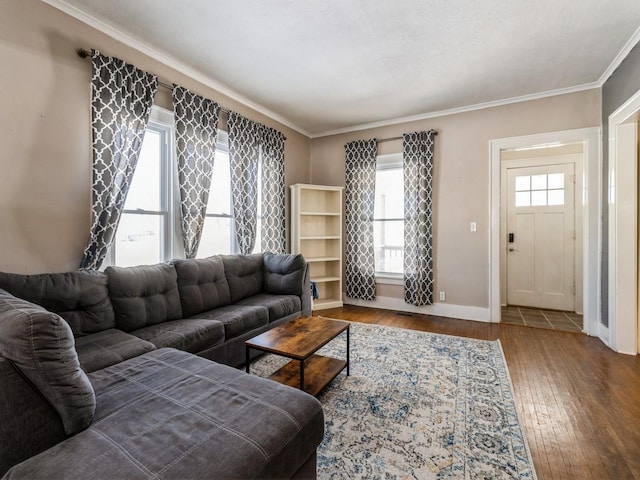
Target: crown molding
x,y
169,61
454,111
225,90
622,54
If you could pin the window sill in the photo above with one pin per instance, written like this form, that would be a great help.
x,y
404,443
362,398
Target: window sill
x,y
390,279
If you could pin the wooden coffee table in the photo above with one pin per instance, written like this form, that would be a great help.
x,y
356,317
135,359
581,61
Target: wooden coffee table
x,y
299,340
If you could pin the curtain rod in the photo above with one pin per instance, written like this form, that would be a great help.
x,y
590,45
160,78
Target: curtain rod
x,y
82,53
380,140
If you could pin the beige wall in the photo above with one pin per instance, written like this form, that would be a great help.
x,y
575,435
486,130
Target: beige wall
x,y
45,161
461,189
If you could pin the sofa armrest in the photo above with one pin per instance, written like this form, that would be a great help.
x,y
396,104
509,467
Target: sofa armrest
x,y
288,274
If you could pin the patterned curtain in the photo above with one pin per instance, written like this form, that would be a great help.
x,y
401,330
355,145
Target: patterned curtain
x,y
273,192
121,100
417,157
360,176
196,132
244,151
250,142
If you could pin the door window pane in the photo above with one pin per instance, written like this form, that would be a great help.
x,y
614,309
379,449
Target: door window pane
x,y
539,190
538,198
523,182
538,182
556,180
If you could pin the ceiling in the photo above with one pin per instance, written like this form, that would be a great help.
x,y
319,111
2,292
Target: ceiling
x,y
323,66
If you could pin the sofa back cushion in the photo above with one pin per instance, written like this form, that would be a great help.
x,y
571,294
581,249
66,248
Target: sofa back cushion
x,y
144,295
244,275
40,345
81,298
202,285
284,274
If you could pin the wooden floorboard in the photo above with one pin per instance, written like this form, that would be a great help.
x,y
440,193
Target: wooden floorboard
x,y
578,401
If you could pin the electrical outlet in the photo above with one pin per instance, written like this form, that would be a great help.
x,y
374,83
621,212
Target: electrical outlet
x,y
442,296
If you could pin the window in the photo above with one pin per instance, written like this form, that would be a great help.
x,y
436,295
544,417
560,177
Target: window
x,y
539,190
144,234
388,217
217,234
150,230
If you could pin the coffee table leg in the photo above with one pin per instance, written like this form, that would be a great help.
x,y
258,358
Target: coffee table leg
x,y
246,365
348,351
302,375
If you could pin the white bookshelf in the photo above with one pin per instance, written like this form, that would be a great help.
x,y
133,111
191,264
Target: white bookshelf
x,y
316,233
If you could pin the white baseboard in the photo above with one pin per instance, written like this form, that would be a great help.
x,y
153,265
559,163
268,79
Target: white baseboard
x,y
461,312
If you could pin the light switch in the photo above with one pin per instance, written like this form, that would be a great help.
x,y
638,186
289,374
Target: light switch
x,y
473,227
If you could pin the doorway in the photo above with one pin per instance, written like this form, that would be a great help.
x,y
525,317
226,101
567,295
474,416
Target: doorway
x,y
541,220
588,240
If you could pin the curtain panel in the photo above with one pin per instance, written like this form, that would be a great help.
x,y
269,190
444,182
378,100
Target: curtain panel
x,y
121,100
360,179
273,231
196,133
249,142
417,158
244,151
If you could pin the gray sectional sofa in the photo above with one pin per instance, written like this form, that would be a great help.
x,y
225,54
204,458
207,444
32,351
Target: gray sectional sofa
x,y
109,375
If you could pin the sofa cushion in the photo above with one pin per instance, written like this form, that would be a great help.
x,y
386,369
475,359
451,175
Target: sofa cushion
x,y
283,274
244,274
169,414
202,284
279,306
238,319
144,295
189,335
81,298
108,347
40,344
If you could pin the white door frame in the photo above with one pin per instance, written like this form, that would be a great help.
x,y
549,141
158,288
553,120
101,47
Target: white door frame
x,y
591,207
623,224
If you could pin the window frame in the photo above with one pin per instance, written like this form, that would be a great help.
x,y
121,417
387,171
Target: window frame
x,y
391,161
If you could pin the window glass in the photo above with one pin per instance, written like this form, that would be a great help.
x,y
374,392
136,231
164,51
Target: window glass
x,y
539,190
388,224
138,239
523,182
538,182
556,180
144,232
216,233
144,191
538,198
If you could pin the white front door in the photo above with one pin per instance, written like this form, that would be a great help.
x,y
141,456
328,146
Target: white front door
x,y
541,237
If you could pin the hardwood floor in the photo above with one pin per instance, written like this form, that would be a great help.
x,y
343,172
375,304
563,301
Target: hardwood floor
x,y
578,401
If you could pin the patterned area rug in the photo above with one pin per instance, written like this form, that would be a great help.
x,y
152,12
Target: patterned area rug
x,y
418,405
